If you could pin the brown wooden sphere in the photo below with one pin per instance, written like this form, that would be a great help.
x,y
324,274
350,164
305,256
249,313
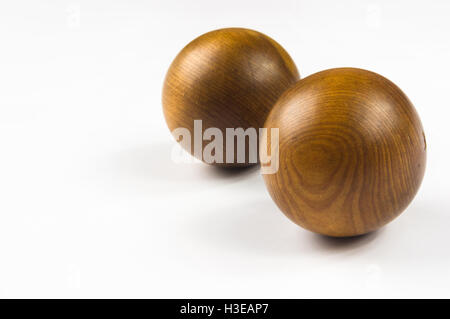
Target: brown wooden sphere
x,y
228,78
352,152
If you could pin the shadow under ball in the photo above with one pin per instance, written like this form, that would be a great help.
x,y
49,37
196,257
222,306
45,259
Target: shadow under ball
x,y
228,78
352,152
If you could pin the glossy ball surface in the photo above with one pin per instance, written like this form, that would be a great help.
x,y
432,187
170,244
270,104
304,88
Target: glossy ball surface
x,y
228,78
352,152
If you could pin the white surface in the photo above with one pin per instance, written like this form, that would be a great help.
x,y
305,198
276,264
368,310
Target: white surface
x,y
92,206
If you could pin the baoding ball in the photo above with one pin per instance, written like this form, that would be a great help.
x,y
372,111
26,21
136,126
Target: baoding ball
x,y
228,78
352,152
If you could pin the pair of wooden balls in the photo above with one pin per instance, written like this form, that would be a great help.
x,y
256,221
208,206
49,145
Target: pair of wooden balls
x,y
351,148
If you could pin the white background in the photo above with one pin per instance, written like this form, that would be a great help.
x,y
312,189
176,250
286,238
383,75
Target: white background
x,y
91,204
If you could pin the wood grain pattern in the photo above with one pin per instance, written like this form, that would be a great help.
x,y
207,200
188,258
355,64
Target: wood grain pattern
x,y
352,152
228,78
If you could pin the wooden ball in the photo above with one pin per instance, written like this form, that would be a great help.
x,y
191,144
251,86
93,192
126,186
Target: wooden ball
x,y
228,78
352,152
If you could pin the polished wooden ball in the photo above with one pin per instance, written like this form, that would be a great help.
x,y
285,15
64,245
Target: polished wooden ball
x,y
228,78
352,152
